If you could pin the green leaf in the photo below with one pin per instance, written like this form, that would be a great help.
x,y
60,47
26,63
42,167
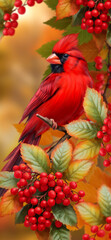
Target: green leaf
x,y
61,156
7,180
91,66
77,18
108,37
59,233
20,216
35,157
78,170
90,213
87,149
59,24
82,129
64,214
94,106
83,37
46,49
51,4
104,200
47,72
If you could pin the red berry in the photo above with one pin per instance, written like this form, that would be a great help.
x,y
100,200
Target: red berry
x,y
100,6
32,190
48,223
106,138
73,185
46,214
22,199
52,194
108,147
28,200
66,202
95,13
58,189
22,166
50,177
51,202
58,224
17,174
26,223
39,1
100,134
6,16
23,182
34,201
104,25
107,5
85,237
60,195
75,198
88,15
33,220
83,26
79,2
36,184
108,219
108,227
41,227
26,192
98,59
66,190
27,176
43,204
90,29
109,124
8,25
100,76
43,174
58,175
101,233
60,182
104,129
18,3
14,191
44,188
103,17
21,193
14,16
31,212
41,219
26,217
98,22
11,31
81,193
30,3
38,210
91,4
21,10
102,152
94,229
34,227
43,180
52,183
14,167
89,23
58,201
106,163
110,235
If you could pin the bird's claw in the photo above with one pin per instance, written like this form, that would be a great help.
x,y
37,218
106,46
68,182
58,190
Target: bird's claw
x,y
54,124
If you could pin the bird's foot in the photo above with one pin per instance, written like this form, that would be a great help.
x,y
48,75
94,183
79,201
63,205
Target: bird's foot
x,y
54,124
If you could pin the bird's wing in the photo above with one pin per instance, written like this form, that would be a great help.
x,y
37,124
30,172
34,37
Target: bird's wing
x,y
47,89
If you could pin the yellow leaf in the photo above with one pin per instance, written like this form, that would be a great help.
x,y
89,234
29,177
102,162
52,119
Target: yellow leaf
x,y
19,127
66,8
36,157
87,149
104,53
9,204
90,213
6,4
78,170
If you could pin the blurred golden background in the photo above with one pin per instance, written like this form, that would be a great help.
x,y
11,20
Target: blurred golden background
x,y
21,71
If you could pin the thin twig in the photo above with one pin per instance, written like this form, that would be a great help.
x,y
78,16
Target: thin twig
x,y
59,128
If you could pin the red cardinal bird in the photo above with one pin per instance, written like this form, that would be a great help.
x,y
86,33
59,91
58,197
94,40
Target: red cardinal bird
x,y
60,95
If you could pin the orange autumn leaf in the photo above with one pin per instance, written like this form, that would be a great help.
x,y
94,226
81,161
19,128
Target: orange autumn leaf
x,y
46,138
99,178
9,204
89,50
100,39
19,127
66,8
90,191
80,222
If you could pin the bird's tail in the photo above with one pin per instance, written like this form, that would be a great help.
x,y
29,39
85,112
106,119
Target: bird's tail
x,y
14,158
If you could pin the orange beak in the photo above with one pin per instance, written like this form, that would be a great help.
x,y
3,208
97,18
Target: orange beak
x,y
53,59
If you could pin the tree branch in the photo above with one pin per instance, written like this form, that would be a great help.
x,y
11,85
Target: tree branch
x,y
109,73
59,128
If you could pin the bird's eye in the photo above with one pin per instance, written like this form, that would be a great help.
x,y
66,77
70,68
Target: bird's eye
x,y
65,55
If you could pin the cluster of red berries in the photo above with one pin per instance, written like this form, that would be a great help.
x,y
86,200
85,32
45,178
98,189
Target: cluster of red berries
x,y
99,232
96,17
105,135
10,21
43,191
